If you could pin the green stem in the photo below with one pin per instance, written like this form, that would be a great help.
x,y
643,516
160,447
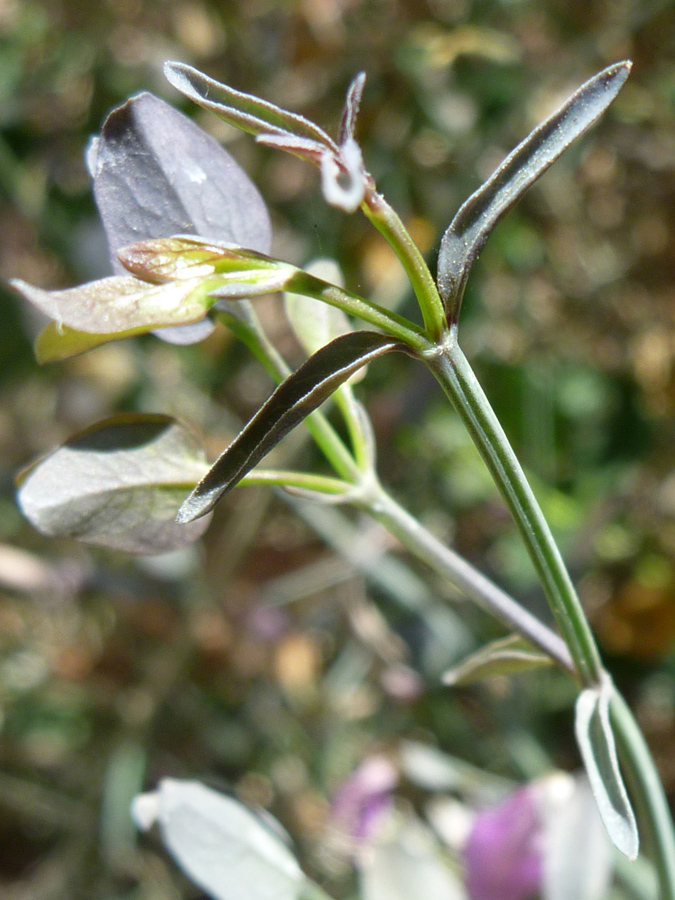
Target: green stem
x,y
387,222
647,788
455,375
382,507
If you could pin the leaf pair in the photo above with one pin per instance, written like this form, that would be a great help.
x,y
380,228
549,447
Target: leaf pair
x,y
343,178
155,175
469,230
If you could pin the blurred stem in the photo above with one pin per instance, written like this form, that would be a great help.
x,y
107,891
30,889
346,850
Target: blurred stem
x,y
387,222
455,375
470,581
647,788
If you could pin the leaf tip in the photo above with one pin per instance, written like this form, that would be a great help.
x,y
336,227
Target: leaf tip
x,y
194,508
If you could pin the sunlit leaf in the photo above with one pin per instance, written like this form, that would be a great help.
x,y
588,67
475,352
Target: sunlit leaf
x,y
506,656
598,751
157,174
470,228
298,396
351,108
184,257
121,304
58,342
118,484
242,110
226,850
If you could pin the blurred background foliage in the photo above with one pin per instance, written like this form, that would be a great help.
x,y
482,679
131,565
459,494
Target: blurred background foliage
x,y
259,659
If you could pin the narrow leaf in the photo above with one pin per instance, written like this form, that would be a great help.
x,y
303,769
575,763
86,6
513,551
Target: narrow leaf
x,y
506,656
241,110
351,108
598,751
469,230
298,396
118,484
121,304
183,256
222,846
303,148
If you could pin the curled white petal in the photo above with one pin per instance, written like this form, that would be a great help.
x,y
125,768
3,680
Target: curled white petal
x,y
145,810
343,182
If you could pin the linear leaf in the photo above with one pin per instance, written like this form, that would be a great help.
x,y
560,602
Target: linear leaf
x,y
506,656
469,230
118,484
242,110
298,396
598,751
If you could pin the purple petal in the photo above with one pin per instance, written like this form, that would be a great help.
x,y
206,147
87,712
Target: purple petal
x,y
503,854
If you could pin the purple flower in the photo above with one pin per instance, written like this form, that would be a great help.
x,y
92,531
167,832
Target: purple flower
x,y
362,801
504,851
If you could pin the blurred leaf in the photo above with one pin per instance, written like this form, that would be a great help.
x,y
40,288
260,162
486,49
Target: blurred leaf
x,y
118,484
226,850
469,230
577,853
314,322
406,861
58,342
121,304
298,396
598,751
506,656
243,110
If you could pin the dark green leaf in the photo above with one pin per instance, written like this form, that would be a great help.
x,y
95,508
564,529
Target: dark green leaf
x,y
299,395
506,656
598,751
243,110
118,484
469,230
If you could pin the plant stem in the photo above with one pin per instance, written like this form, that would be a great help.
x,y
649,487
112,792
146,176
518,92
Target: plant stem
x,y
647,788
456,377
387,222
470,581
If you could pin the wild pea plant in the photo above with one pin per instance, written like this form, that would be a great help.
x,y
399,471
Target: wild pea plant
x,y
189,236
